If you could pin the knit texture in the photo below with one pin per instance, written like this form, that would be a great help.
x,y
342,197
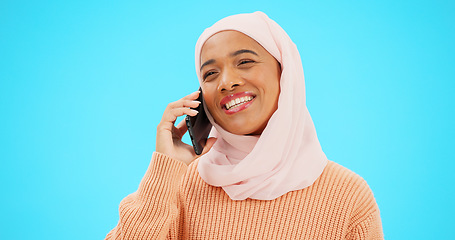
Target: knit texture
x,y
173,202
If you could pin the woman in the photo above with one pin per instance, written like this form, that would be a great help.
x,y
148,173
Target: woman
x,y
262,174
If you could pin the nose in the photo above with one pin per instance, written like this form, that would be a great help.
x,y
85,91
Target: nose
x,y
229,81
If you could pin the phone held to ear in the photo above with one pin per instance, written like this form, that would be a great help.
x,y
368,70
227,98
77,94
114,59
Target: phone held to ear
x,y
199,126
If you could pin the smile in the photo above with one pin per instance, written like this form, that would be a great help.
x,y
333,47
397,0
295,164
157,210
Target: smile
x,y
237,102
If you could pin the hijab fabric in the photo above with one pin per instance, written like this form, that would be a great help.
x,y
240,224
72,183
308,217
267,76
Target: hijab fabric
x,y
287,155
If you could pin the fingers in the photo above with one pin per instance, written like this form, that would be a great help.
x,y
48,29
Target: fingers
x,y
179,108
168,136
187,101
192,96
184,103
177,112
182,128
208,145
182,125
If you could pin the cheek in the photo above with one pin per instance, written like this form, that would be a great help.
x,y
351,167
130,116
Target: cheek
x,y
209,98
272,89
269,82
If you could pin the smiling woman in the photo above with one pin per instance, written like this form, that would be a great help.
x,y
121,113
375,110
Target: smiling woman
x,y
262,173
241,82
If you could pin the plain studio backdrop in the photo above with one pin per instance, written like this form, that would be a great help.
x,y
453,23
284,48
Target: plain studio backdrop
x,y
83,85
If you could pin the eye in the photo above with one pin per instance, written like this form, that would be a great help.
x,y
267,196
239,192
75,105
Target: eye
x,y
245,61
208,74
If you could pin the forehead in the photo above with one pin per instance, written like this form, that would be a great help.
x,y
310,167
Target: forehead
x,y
224,43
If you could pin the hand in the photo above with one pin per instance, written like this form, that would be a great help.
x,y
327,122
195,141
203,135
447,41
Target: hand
x,y
169,137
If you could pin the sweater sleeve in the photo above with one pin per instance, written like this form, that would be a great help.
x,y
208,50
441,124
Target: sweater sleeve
x,y
366,221
370,228
152,212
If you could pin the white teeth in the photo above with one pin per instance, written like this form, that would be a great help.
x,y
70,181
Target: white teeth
x,y
238,101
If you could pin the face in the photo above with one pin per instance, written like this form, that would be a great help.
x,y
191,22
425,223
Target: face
x,y
241,82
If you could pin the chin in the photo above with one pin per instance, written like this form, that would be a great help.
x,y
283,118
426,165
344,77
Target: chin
x,y
243,125
243,131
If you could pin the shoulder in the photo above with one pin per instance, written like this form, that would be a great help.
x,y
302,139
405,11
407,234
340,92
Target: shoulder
x,y
353,191
345,187
357,199
338,176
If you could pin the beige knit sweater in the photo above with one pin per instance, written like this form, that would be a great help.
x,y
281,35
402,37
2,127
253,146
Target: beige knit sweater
x,y
173,202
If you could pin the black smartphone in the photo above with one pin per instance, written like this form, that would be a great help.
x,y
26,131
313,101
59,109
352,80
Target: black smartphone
x,y
199,126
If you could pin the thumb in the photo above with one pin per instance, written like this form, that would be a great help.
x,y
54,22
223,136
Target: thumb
x,y
208,145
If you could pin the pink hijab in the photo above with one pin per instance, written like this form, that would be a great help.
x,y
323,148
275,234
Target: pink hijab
x,y
287,156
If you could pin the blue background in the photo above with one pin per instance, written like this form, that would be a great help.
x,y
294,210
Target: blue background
x,y
84,84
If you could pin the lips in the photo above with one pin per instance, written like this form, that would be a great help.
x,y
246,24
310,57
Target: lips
x,y
237,102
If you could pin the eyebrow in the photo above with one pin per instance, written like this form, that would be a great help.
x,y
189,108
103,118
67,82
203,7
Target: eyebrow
x,y
207,63
238,52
